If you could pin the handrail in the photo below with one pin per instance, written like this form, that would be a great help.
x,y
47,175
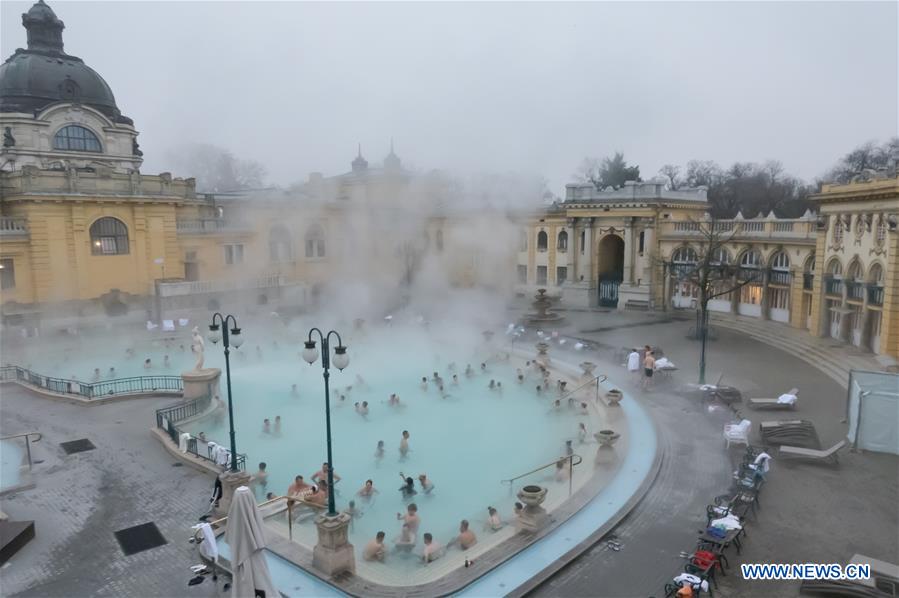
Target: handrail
x,y
168,418
289,499
91,390
595,380
27,443
571,463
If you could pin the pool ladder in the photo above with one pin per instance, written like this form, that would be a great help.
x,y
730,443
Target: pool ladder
x,y
28,442
573,459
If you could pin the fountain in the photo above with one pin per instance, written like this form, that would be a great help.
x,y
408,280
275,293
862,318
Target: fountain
x,y
543,316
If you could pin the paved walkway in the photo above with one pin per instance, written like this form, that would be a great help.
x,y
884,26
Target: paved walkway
x,y
810,513
81,499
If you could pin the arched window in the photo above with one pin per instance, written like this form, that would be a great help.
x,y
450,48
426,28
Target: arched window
x,y
720,256
109,236
875,275
280,245
855,272
542,241
751,259
75,138
835,268
315,242
563,241
684,255
780,261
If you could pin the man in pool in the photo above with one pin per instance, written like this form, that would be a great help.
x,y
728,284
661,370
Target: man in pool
x,y
426,485
424,383
277,425
368,490
352,510
379,451
266,426
260,479
375,550
111,372
561,470
411,518
569,450
539,389
321,475
466,538
483,367
96,377
404,444
469,372
363,409
147,363
432,550
316,496
582,432
492,384
299,487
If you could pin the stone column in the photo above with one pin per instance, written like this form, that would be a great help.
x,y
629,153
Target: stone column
x,y
572,250
629,254
587,270
231,481
333,554
765,300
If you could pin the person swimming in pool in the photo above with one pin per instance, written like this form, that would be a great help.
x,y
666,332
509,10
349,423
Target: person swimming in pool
x,y
166,363
379,451
363,409
404,444
582,432
455,380
408,488
424,383
368,490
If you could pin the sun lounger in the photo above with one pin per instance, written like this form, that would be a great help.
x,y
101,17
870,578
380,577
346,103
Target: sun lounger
x,y
813,454
770,404
798,432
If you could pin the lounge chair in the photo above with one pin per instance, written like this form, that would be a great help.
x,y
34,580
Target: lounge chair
x,y
778,403
737,432
798,432
829,455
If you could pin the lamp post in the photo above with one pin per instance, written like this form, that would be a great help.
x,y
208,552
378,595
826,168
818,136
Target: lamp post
x,y
341,360
218,331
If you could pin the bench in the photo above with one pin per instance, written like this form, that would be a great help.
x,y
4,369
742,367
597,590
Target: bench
x,y
829,455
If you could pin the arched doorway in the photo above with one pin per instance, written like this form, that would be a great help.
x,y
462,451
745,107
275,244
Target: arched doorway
x,y
611,269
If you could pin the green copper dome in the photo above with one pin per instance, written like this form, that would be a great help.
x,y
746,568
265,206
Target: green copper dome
x,y
32,79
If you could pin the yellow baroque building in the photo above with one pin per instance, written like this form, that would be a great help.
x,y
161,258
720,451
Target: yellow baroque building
x,y
84,234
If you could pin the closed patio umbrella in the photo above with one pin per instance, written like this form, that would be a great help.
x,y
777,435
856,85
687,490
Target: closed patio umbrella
x,y
246,537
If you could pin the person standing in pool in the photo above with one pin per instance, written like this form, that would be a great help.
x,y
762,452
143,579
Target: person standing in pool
x,y
277,425
374,550
379,451
469,372
426,485
404,444
405,542
582,432
321,476
411,518
408,487
266,426
368,490
424,383
260,479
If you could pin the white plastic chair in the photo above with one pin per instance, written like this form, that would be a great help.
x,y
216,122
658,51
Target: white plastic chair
x,y
737,432
168,326
151,325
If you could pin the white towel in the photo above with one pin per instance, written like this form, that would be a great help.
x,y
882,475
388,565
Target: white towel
x,y
151,325
208,547
787,399
761,462
745,424
633,361
663,363
182,442
168,325
183,321
728,522
693,580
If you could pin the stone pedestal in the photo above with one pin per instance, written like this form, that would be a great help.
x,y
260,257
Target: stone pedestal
x,y
231,481
333,554
533,516
198,383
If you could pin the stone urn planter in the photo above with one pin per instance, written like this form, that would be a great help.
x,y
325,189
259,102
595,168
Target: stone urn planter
x,y
607,438
588,367
613,397
533,516
542,348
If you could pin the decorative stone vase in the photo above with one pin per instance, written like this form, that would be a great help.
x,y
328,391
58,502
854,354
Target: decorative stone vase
x,y
533,516
607,438
542,348
532,496
613,397
588,367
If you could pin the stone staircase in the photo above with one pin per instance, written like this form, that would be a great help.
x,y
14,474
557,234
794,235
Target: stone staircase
x,y
830,356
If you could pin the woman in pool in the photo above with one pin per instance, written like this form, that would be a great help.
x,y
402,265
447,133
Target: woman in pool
x,y
368,490
408,487
494,522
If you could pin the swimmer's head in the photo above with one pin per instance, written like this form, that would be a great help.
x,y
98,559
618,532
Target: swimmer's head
x,y
380,536
262,466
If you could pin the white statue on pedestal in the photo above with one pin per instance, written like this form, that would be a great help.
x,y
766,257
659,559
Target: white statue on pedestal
x,y
198,347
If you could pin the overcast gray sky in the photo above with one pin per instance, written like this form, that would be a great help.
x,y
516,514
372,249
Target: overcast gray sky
x,y
531,87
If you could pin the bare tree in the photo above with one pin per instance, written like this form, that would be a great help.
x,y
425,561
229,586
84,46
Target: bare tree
x,y
711,271
672,173
217,169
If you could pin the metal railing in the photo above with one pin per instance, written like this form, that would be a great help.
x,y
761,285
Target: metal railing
x,y
875,295
168,418
28,442
779,277
833,286
13,226
571,463
595,381
290,502
855,290
93,390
